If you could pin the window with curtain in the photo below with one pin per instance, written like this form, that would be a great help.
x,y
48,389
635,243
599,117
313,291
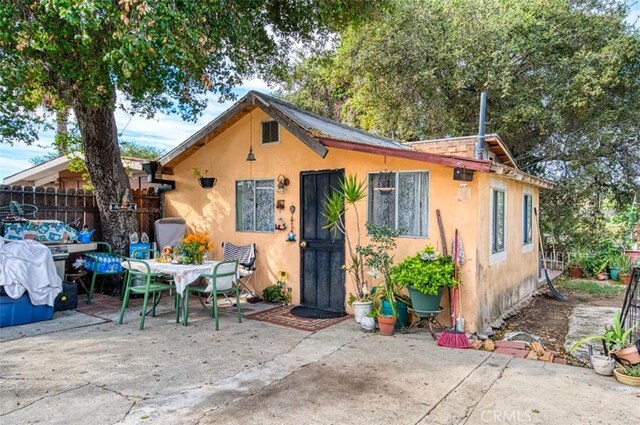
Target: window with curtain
x,y
498,225
255,205
400,201
527,219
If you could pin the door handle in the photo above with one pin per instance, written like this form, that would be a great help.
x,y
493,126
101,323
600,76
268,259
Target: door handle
x,y
303,244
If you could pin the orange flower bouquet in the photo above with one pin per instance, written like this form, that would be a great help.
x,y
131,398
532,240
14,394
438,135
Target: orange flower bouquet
x,y
195,245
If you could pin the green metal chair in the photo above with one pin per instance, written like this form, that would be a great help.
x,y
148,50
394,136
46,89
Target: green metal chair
x,y
150,285
221,281
95,273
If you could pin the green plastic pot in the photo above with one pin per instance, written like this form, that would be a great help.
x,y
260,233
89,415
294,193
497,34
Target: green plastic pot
x,y
401,308
423,302
614,273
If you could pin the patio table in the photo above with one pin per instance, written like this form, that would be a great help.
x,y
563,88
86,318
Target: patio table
x,y
183,274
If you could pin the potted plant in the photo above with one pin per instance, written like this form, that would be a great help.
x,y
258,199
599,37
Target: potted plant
x,y
205,181
334,207
195,247
368,322
379,260
576,266
616,342
628,375
426,275
618,263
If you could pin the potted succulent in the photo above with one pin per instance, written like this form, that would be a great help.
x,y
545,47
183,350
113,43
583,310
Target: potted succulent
x,y
379,260
616,342
205,181
426,275
618,263
368,321
334,207
628,375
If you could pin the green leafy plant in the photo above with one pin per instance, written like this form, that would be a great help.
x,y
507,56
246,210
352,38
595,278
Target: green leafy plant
x,y
633,371
334,207
377,256
621,262
426,271
615,337
275,293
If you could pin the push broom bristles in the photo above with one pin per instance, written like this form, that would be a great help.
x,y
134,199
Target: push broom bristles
x,y
453,339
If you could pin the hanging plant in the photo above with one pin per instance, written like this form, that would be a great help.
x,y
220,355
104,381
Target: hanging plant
x,y
206,182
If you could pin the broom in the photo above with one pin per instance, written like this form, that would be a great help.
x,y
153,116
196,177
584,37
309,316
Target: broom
x,y
452,338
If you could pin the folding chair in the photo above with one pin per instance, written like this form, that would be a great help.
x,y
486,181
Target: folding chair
x,y
245,255
169,231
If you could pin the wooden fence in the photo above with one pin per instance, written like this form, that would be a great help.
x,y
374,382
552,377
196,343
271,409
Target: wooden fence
x,y
79,205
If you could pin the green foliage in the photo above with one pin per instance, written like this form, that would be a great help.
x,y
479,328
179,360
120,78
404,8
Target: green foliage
x,y
426,271
563,79
615,336
377,256
334,207
620,261
275,293
633,371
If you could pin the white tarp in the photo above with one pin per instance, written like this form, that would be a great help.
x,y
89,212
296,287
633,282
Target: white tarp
x,y
28,266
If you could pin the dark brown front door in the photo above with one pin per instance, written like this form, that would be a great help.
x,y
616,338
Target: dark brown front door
x,y
321,251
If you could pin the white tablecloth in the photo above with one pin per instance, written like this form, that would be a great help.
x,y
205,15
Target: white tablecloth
x,y
183,274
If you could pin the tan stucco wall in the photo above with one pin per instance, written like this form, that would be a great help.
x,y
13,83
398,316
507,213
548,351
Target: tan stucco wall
x,y
502,284
212,210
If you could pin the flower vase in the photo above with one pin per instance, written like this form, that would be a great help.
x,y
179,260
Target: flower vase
x,y
197,259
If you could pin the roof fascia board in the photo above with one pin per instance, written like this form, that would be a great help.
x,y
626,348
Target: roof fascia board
x,y
293,127
446,160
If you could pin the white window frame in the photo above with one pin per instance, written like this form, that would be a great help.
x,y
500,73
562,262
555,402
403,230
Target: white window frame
x,y
528,246
396,190
262,136
255,215
497,257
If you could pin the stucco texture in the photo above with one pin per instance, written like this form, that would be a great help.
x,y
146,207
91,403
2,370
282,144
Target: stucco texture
x,y
213,210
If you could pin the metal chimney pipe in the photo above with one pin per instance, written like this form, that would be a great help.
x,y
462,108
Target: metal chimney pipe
x,y
479,153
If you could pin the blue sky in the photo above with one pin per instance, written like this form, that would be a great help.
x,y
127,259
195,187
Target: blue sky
x,y
163,131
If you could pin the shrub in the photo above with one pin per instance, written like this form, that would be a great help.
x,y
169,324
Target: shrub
x,y
426,271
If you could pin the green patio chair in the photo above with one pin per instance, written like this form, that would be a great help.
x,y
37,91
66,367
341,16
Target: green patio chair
x,y
95,273
150,284
221,281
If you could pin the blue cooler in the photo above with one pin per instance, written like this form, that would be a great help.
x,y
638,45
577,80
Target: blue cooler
x,y
20,311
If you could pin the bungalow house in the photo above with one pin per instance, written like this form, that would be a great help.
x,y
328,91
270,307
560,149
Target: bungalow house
x,y
56,173
300,155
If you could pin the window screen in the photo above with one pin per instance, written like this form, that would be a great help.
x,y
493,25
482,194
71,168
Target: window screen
x,y
498,221
254,206
527,219
400,201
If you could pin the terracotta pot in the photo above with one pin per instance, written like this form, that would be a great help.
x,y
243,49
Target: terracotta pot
x,y
602,276
633,254
387,325
625,278
626,379
627,356
576,272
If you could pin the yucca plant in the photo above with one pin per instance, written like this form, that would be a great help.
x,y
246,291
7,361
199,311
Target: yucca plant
x,y
615,337
334,207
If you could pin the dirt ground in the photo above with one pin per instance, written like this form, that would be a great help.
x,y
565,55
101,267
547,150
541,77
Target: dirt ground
x,y
548,318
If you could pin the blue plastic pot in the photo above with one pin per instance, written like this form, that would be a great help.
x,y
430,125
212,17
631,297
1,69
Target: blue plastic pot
x,y
401,308
614,273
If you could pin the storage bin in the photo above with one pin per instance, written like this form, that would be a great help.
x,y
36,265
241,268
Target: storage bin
x,y
20,311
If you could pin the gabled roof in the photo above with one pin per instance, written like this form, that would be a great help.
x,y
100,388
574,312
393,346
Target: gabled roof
x,y
47,172
313,130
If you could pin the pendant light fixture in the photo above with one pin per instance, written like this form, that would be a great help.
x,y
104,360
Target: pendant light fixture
x,y
251,156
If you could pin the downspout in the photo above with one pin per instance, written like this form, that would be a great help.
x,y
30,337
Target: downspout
x,y
479,151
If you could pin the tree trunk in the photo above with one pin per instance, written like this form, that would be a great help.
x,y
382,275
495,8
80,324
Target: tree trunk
x,y
110,181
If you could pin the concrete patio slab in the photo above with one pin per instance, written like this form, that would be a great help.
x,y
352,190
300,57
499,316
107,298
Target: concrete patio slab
x,y
256,372
585,321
